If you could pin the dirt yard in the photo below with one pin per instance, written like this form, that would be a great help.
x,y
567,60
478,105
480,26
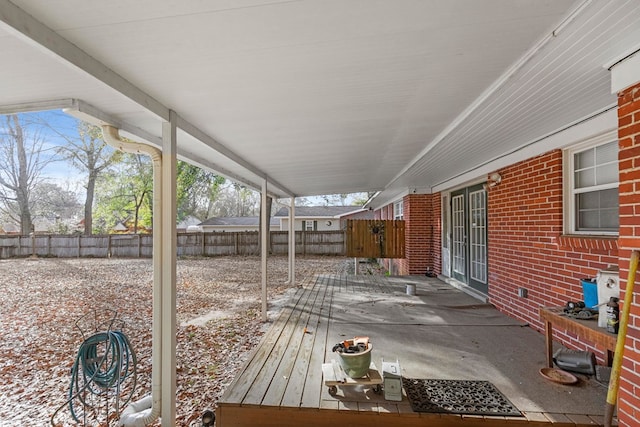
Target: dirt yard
x,y
218,317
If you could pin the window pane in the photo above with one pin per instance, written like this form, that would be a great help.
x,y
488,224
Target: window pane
x,y
585,159
607,153
597,210
607,174
609,198
609,219
585,178
588,201
588,220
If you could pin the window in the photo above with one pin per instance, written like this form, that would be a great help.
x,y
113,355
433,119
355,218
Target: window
x,y
592,194
398,208
310,225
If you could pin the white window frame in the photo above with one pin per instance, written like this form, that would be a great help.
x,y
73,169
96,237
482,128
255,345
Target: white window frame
x,y
309,225
398,210
568,169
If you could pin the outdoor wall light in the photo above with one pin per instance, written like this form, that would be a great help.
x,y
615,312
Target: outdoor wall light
x,y
494,179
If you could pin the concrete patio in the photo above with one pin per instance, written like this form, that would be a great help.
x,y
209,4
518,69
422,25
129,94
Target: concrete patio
x,y
438,333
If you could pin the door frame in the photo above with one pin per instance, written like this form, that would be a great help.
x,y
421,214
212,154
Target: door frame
x,y
465,246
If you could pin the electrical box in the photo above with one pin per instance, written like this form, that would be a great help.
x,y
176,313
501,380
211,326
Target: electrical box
x,y
608,283
392,380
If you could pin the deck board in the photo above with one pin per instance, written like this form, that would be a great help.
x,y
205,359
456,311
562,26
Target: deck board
x,y
238,389
311,393
282,380
299,352
274,366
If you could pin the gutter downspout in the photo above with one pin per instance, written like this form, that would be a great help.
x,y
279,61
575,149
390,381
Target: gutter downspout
x,y
147,409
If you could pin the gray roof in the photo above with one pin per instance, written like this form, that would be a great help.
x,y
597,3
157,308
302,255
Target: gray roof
x,y
319,211
187,221
237,221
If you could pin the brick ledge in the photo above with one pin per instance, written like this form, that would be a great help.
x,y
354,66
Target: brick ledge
x,y
575,241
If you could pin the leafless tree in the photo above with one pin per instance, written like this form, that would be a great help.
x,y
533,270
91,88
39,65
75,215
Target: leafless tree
x,y
22,160
88,153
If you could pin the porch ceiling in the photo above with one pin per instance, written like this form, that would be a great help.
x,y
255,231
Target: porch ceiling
x,y
324,96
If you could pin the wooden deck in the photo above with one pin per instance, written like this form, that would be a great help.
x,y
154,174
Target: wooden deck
x,y
282,384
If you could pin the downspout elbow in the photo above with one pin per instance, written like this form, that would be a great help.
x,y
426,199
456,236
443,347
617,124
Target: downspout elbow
x,y
112,137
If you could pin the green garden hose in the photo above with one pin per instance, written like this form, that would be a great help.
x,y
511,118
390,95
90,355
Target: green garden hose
x,y
103,363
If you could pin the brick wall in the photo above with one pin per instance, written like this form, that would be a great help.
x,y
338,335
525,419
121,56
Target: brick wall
x,y
629,163
422,231
418,216
527,248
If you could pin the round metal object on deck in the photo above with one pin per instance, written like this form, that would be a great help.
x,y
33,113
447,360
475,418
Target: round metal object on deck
x,y
558,376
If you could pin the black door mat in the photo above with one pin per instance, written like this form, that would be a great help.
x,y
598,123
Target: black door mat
x,y
457,397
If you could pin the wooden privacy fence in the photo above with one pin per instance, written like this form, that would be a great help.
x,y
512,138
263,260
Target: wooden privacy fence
x,y
188,244
375,238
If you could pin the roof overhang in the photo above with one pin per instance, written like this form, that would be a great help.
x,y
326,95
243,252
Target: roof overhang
x,y
324,97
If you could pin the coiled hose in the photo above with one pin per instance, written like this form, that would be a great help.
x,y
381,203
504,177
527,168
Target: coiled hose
x,y
104,362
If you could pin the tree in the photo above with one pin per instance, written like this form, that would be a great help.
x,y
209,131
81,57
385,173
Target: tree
x,y
89,153
359,199
195,189
126,194
235,200
22,159
58,205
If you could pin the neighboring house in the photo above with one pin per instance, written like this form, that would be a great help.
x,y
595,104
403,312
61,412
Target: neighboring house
x,y
321,218
189,221
10,228
229,224
119,228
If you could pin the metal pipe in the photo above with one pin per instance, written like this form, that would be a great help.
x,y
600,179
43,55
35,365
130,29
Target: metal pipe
x,y
147,409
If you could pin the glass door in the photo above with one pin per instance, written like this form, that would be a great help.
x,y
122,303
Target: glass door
x,y
469,237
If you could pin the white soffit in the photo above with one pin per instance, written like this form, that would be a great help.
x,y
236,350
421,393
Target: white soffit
x,y
332,96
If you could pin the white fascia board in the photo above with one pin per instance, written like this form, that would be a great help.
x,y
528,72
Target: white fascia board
x,y
625,73
383,199
350,213
30,107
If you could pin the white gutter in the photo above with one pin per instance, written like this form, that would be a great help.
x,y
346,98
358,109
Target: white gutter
x,y
147,409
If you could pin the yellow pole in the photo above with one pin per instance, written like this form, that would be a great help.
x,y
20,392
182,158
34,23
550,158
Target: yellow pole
x,y
614,381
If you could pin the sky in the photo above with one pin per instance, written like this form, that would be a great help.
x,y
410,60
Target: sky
x,y
58,172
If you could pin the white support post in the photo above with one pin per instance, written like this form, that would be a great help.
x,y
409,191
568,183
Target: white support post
x,y
263,249
168,411
292,243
